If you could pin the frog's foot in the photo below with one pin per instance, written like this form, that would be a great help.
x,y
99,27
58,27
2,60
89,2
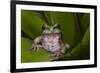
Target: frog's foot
x,y
65,49
67,46
56,55
36,47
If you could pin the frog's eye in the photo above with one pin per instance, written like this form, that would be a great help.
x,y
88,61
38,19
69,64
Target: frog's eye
x,y
56,26
56,30
45,26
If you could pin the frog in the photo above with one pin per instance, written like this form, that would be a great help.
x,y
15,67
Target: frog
x,y
51,40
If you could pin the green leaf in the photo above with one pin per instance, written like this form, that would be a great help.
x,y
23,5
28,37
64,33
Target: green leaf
x,y
84,22
86,44
82,50
31,23
49,18
28,55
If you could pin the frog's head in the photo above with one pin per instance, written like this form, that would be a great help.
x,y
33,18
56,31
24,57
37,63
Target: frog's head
x,y
51,29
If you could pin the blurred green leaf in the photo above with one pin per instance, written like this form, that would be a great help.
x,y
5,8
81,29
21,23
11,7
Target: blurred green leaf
x,y
31,23
84,22
82,50
49,17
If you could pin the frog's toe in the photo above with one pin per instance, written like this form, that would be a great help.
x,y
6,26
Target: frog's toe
x,y
33,49
56,55
53,55
67,46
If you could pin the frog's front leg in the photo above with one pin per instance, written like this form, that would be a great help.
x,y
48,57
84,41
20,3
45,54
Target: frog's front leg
x,y
35,47
37,43
65,48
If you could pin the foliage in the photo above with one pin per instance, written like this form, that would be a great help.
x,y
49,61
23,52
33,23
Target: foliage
x,y
74,28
